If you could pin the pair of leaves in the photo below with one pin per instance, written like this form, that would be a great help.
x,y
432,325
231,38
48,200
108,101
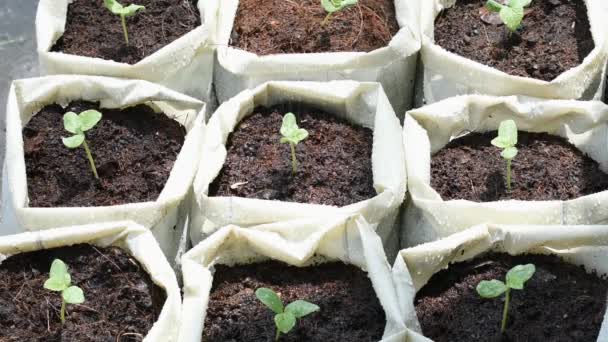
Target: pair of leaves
x,y
290,131
507,139
285,318
118,9
511,14
61,281
331,6
77,124
516,278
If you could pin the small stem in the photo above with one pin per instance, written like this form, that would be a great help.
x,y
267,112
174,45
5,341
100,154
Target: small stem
x,y
505,311
124,28
62,310
276,336
509,174
294,162
91,161
326,19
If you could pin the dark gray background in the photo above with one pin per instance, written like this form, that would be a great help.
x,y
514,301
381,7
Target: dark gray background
x,y
17,60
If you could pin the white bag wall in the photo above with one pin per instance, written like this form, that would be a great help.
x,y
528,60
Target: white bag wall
x,y
444,74
579,245
298,243
363,104
430,128
134,239
28,96
393,66
184,65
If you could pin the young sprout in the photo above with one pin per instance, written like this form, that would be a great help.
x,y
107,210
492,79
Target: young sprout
x,y
285,318
78,124
292,134
124,12
511,14
60,281
516,277
507,139
331,6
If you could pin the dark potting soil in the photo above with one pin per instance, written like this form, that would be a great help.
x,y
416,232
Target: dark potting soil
x,y
554,37
334,162
268,27
349,308
121,301
560,303
91,30
134,150
546,168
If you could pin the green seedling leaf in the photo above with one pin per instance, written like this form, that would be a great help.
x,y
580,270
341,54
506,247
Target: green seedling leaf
x,y
285,322
332,6
516,278
270,299
73,295
78,124
301,308
519,275
285,318
491,289
509,153
124,12
292,135
506,140
511,14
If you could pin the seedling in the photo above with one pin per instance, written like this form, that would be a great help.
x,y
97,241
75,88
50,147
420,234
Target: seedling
x,y
124,12
61,281
507,139
285,318
511,14
292,134
516,277
332,6
78,124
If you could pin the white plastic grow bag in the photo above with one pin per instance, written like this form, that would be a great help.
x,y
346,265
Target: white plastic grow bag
x,y
28,96
185,65
299,243
445,74
430,128
393,66
132,238
579,245
363,104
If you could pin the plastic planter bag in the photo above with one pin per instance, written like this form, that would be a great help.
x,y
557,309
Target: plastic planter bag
x,y
360,103
445,74
393,66
28,96
428,129
298,243
185,65
580,245
128,236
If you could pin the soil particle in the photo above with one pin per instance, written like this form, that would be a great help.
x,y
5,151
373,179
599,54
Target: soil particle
x,y
546,168
121,302
334,162
269,27
91,30
134,150
555,36
560,303
349,308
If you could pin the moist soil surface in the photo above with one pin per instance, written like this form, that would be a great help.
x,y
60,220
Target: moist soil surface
x,y
334,162
554,37
267,27
349,308
546,168
91,30
134,150
560,303
121,302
